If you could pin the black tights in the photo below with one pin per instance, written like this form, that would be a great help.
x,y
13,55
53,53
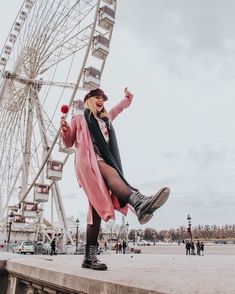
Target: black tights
x,y
118,187
114,182
92,231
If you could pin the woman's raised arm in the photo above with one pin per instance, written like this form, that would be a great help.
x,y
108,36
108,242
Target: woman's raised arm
x,y
124,103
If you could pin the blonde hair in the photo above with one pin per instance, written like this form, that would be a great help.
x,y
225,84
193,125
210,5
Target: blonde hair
x,y
90,104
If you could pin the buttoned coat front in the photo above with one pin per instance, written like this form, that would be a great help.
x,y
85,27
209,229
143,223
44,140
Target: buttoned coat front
x,y
87,169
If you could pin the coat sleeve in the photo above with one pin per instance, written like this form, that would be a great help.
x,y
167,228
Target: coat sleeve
x,y
70,136
126,102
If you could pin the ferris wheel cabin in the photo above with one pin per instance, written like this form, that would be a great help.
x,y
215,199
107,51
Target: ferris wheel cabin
x,y
3,61
18,218
23,15
29,4
18,222
106,18
100,47
17,26
110,2
54,170
30,209
41,192
12,38
91,78
7,50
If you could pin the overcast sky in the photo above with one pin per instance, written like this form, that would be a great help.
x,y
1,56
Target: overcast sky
x,y
178,58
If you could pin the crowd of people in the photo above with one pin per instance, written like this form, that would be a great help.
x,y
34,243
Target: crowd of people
x,y
120,247
190,248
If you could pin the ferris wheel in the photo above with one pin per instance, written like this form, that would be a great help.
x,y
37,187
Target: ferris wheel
x,y
55,49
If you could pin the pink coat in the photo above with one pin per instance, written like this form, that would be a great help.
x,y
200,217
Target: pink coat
x,y
86,167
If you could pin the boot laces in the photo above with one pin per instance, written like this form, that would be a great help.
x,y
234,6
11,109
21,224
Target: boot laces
x,y
92,255
140,195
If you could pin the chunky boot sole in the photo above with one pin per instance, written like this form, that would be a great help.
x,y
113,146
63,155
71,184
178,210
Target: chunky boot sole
x,y
144,218
159,199
95,267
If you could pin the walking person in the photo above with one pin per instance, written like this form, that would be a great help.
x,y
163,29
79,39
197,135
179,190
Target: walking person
x,y
117,247
124,245
53,246
99,170
198,248
187,247
202,248
105,247
192,248
120,247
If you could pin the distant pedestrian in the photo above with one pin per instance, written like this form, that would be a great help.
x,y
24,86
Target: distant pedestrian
x,y
193,249
187,247
198,245
116,247
53,247
105,246
202,248
124,245
120,247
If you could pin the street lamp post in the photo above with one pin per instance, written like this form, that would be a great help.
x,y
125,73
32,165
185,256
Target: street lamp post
x,y
101,234
10,218
77,226
207,227
127,227
154,238
136,236
190,227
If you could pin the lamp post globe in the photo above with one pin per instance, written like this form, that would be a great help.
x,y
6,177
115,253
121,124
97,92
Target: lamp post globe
x,y
189,218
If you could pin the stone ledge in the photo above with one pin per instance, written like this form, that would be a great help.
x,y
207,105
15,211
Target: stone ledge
x,y
64,273
140,273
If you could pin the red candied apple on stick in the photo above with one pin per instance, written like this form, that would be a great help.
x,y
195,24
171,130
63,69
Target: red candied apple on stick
x,y
64,109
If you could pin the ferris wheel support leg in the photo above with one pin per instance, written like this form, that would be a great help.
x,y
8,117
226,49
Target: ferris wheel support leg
x,y
1,209
27,150
60,210
12,190
56,195
5,82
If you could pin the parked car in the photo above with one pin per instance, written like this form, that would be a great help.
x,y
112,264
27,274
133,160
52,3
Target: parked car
x,y
24,247
15,248
143,243
81,248
42,248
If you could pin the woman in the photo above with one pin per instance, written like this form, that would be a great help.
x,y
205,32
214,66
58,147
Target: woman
x,y
99,170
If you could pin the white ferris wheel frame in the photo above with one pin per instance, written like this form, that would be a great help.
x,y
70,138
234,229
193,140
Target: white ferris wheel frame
x,y
37,84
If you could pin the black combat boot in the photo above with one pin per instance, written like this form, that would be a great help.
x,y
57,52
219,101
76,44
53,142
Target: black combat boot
x,y
145,206
91,261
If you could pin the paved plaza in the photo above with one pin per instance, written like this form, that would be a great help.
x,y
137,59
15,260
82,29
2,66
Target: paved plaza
x,y
134,273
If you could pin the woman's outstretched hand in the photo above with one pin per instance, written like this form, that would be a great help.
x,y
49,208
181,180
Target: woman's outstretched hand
x,y
128,94
64,125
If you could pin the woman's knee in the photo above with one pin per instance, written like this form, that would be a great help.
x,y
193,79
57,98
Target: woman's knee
x,y
106,170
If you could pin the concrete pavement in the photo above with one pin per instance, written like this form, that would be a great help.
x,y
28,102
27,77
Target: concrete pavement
x,y
138,273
